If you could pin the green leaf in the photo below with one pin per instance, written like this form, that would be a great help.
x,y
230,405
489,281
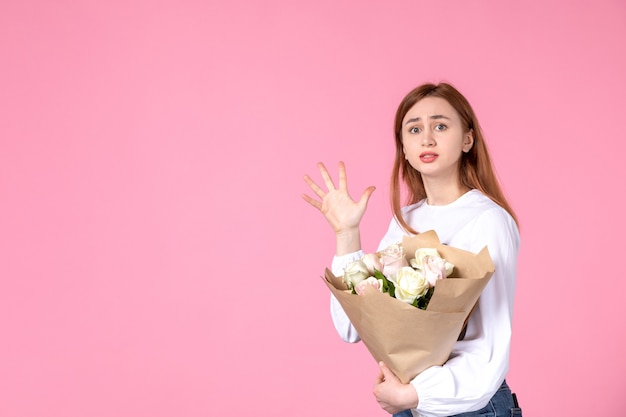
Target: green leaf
x,y
379,275
388,286
423,301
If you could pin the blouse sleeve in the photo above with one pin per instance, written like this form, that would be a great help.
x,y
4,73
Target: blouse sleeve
x,y
342,323
478,364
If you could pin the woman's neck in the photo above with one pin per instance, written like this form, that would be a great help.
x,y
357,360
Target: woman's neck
x,y
441,194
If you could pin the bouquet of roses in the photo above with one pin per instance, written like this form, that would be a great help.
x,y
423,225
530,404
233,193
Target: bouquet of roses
x,y
388,271
379,294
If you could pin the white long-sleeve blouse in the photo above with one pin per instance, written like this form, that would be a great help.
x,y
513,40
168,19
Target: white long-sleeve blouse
x,y
479,363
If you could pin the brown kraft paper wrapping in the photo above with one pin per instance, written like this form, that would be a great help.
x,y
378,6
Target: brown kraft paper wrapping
x,y
407,338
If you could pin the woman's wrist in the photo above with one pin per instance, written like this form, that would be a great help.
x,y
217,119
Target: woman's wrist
x,y
405,397
348,241
409,396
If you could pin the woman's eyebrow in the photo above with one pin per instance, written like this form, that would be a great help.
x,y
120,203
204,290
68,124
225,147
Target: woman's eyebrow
x,y
434,116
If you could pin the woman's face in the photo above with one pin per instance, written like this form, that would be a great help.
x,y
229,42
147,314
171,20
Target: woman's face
x,y
433,138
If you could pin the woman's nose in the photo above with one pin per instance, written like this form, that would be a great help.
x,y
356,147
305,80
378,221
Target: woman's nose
x,y
427,138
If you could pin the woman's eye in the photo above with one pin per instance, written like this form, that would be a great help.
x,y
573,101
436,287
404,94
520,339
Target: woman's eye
x,y
414,129
440,127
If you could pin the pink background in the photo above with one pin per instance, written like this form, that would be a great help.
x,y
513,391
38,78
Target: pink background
x,y
156,258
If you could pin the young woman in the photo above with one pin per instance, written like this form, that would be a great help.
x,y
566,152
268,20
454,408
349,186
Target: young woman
x,y
443,163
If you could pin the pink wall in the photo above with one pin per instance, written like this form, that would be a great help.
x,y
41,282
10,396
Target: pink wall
x,y
156,258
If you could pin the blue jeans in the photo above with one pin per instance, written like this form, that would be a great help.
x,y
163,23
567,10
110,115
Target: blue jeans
x,y
501,404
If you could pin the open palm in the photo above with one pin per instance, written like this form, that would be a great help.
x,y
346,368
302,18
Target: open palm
x,y
342,212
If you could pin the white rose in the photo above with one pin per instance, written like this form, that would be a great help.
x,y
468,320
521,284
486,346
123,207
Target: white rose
x,y
420,254
354,273
410,284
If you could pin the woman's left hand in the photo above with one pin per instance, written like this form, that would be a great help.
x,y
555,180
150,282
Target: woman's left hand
x,y
392,395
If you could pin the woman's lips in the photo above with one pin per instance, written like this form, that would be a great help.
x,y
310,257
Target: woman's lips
x,y
427,157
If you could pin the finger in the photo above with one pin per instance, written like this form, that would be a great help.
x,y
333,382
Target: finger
x,y
389,375
316,188
343,179
380,378
312,201
385,370
326,176
365,197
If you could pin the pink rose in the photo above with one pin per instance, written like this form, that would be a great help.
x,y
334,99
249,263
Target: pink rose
x,y
372,261
371,281
434,269
392,259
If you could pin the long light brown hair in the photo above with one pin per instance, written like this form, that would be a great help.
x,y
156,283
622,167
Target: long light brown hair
x,y
475,168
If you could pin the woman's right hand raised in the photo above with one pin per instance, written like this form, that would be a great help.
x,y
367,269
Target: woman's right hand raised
x,y
342,212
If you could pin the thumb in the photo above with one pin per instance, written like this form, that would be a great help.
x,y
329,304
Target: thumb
x,y
385,371
366,195
381,375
